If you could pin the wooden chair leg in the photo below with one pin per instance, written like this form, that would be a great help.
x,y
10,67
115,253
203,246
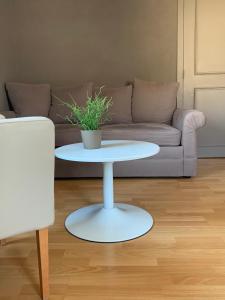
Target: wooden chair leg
x,y
42,247
2,242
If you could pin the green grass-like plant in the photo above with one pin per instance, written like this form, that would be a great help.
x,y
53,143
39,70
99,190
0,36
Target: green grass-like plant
x,y
91,116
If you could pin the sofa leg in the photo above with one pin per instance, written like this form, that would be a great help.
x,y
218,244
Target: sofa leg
x,y
187,177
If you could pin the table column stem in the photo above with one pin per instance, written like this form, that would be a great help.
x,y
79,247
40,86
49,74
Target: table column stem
x,y
108,185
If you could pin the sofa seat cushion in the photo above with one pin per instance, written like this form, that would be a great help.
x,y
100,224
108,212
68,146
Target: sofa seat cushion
x,y
66,134
161,134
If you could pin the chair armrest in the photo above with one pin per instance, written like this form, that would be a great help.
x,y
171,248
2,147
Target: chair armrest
x,y
8,114
185,119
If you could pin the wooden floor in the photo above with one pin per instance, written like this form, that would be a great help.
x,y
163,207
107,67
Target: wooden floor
x,y
182,257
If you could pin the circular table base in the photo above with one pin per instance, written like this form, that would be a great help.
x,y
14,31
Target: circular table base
x,y
121,223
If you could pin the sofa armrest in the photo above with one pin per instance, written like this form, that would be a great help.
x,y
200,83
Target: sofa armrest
x,y
188,121
8,114
185,119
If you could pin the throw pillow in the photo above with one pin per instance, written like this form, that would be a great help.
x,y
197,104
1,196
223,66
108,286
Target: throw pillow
x,y
154,102
58,110
29,99
120,111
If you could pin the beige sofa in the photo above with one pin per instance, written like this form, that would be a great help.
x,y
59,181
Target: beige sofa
x,y
141,111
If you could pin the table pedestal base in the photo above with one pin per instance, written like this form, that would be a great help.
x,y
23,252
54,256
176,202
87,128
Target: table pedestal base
x,y
98,224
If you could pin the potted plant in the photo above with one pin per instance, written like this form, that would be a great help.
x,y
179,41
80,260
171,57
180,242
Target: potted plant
x,y
89,118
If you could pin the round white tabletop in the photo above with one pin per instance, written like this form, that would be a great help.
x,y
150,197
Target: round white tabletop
x,y
110,151
108,222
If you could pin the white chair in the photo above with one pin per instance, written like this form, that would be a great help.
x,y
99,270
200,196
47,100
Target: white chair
x,y
27,183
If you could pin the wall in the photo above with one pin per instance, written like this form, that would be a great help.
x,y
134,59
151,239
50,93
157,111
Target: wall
x,y
6,48
110,42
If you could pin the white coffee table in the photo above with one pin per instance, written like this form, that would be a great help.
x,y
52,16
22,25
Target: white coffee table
x,y
108,221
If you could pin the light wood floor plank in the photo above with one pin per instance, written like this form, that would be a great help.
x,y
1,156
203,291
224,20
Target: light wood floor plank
x,y
181,258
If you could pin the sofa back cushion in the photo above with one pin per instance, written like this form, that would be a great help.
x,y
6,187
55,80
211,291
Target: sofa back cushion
x,y
120,111
29,99
154,102
58,111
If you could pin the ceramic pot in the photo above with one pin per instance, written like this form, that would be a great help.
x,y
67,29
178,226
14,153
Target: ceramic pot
x,y
91,138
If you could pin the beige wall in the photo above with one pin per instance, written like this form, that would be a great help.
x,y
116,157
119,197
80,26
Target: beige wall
x,y
110,42
6,48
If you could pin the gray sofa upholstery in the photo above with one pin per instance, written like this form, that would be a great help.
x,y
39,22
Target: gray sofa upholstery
x,y
178,147
176,138
188,121
177,156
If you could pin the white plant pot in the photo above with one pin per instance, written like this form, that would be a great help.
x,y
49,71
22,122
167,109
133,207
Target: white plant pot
x,y
91,138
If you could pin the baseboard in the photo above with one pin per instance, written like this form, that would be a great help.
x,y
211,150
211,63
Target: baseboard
x,y
213,151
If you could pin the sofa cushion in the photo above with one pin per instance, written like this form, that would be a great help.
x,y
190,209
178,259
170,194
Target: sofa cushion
x,y
66,134
153,102
161,134
58,111
120,111
29,99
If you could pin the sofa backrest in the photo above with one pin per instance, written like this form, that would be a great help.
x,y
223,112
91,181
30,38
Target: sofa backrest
x,y
120,111
149,102
154,102
29,99
58,111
